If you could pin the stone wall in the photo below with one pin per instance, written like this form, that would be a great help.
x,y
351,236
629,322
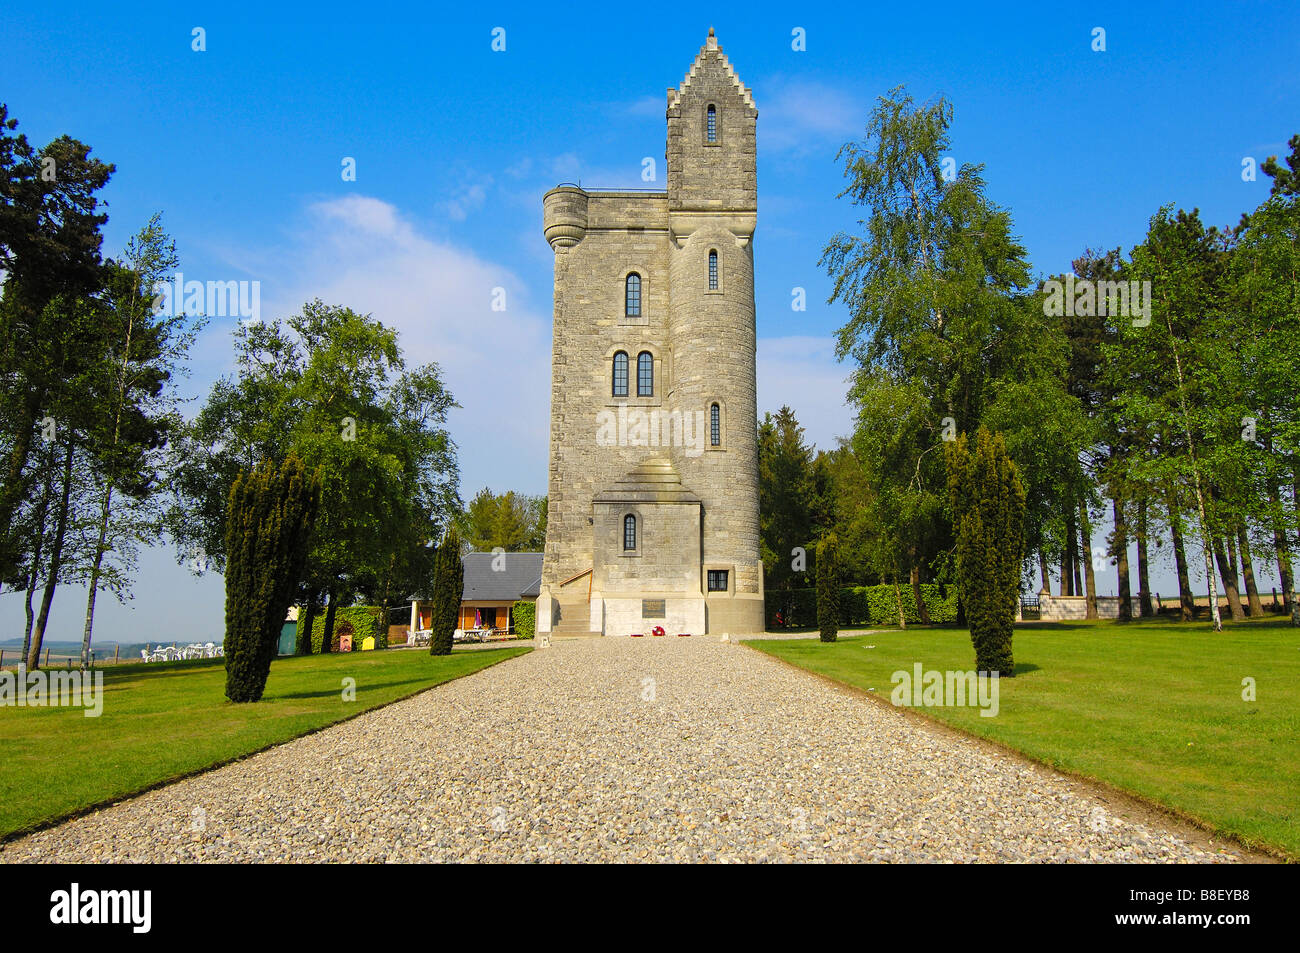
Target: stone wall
x,y
703,343
1064,608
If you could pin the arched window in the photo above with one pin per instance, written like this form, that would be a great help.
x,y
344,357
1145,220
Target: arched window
x,y
633,298
713,271
620,374
715,426
711,125
645,374
629,532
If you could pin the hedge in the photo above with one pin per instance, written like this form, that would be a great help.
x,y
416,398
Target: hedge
x,y
366,623
524,615
862,605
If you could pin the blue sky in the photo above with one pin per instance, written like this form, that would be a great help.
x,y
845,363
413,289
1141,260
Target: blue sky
x,y
241,147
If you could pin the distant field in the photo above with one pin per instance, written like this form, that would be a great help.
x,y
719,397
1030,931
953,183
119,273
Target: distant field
x,y
1155,708
165,720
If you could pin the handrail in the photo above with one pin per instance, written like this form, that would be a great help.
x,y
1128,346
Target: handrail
x,y
578,576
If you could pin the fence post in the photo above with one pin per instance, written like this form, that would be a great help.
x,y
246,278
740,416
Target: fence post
x,y
117,648
47,658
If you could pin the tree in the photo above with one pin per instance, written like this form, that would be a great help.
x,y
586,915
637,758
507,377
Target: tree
x,y
448,588
50,253
511,521
330,386
947,335
1172,370
272,510
134,412
988,507
1286,181
784,491
828,588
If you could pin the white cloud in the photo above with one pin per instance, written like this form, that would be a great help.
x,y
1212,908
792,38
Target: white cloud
x,y
469,197
801,371
363,253
803,116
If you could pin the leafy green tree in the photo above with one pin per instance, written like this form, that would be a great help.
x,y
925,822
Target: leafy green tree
x,y
1286,181
784,490
511,521
133,411
1263,282
946,334
828,588
988,508
50,241
331,386
448,589
1172,368
272,511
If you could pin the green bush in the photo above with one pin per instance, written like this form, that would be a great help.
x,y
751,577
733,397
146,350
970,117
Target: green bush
x,y
525,617
366,622
863,605
829,590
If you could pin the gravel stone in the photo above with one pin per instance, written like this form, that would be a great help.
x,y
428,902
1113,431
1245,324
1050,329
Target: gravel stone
x,y
622,750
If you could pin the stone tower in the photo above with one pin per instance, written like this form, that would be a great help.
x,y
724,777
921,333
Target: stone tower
x,y
653,483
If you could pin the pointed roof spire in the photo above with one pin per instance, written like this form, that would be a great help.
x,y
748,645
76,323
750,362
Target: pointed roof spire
x,y
711,50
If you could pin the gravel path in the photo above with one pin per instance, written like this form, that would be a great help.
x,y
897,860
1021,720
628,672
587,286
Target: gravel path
x,y
622,750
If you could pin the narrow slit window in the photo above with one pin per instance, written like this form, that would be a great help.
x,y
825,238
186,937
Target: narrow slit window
x,y
633,299
711,125
629,532
713,271
715,426
645,374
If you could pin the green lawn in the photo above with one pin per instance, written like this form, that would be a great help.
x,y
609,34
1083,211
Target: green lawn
x,y
1153,708
163,721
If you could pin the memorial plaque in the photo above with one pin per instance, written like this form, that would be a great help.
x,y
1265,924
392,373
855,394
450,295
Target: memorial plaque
x,y
653,608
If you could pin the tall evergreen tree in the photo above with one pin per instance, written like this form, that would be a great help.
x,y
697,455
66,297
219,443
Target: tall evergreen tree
x,y
448,588
271,514
988,509
828,587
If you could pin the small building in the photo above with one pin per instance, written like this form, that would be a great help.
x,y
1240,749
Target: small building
x,y
493,583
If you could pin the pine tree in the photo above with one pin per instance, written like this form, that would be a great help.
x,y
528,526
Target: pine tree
x,y
988,504
828,587
268,525
448,588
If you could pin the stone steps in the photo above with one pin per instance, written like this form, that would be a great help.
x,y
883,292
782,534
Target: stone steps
x,y
575,621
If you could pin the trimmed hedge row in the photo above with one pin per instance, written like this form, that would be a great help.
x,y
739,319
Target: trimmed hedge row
x,y
365,620
862,605
524,615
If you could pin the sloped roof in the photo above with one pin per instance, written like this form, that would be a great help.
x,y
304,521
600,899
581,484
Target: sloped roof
x,y
707,51
515,576
655,480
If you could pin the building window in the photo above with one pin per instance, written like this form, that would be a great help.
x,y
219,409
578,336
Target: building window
x,y
620,374
717,580
633,303
715,426
711,125
629,533
645,374
713,271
